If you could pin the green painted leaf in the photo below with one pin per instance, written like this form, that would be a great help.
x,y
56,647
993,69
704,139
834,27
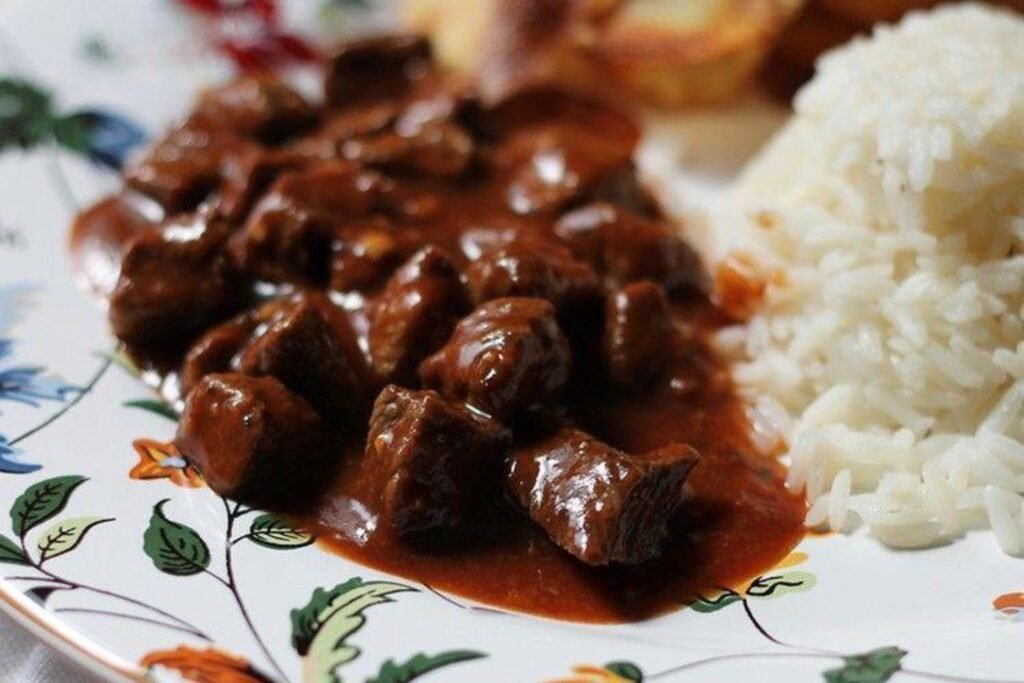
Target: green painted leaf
x,y
273,532
321,628
175,549
64,536
10,552
28,116
70,133
42,501
722,600
119,358
420,664
157,407
627,670
777,585
876,666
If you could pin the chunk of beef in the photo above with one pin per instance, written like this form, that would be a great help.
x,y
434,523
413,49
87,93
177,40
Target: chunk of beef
x,y
429,148
98,238
364,258
302,349
288,235
532,268
414,314
437,462
638,333
506,357
175,282
256,442
261,106
181,169
216,349
598,503
247,170
375,69
625,247
553,165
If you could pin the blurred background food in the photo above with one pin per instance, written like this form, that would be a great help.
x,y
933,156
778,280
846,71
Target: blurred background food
x,y
668,53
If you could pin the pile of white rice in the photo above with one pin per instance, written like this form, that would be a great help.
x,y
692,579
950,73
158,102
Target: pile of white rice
x,y
889,355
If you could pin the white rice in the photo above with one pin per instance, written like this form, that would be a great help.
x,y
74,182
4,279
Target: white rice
x,y
888,220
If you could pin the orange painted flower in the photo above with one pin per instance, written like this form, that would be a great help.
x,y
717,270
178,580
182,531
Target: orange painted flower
x,y
1010,606
616,672
205,666
163,461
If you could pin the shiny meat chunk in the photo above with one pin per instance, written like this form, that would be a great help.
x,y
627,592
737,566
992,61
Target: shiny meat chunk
x,y
287,237
216,349
507,357
262,106
175,281
638,333
532,268
553,165
598,503
375,69
625,247
256,442
303,350
414,314
181,169
429,148
436,462
363,259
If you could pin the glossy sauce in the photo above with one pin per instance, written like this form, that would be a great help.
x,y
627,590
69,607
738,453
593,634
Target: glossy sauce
x,y
737,520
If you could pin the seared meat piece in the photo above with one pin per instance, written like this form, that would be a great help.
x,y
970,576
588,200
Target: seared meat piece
x,y
363,259
216,349
256,442
175,282
598,503
376,69
552,165
414,314
437,462
263,107
288,235
532,268
506,357
430,148
625,247
98,237
181,169
638,333
301,348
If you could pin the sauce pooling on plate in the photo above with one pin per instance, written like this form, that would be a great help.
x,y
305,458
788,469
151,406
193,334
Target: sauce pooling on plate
x,y
455,337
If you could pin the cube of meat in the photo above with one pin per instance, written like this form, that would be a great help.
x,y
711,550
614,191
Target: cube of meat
x,y
598,503
437,462
287,237
302,349
638,333
175,282
363,258
429,148
262,106
216,349
181,169
375,69
256,442
532,268
625,247
552,165
414,314
507,357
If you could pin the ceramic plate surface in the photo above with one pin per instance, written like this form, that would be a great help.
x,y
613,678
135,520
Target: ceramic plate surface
x,y
115,551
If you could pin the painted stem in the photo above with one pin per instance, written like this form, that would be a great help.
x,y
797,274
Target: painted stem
x,y
233,587
129,617
75,585
764,632
67,406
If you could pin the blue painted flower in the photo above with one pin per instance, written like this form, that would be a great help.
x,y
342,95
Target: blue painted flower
x,y
28,384
106,138
9,462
